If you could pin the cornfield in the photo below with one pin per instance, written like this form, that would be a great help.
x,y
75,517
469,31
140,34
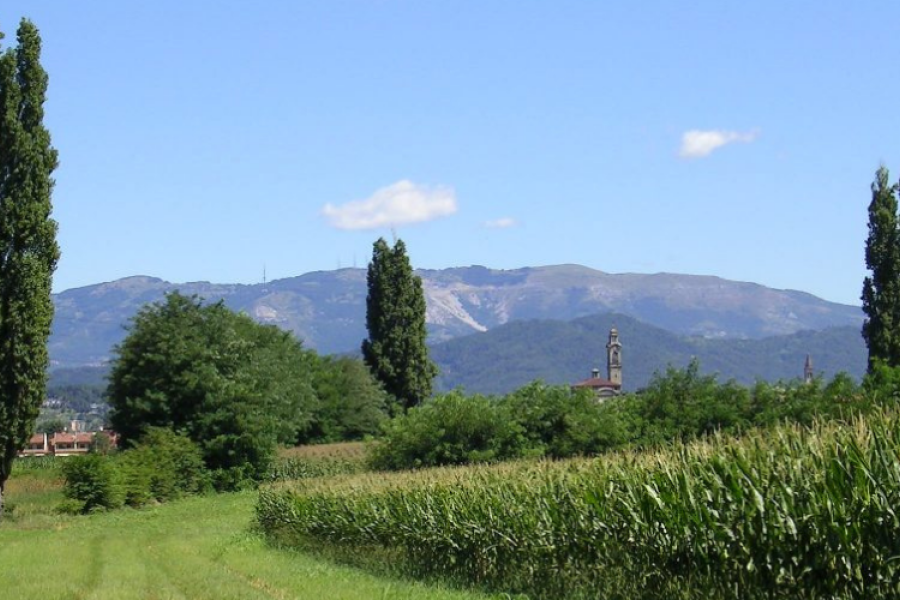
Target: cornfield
x,y
790,512
305,462
38,463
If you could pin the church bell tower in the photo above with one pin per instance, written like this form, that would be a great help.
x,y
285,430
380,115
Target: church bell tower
x,y
614,357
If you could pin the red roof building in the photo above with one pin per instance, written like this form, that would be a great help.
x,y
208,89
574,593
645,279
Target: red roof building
x,y
66,443
38,445
603,388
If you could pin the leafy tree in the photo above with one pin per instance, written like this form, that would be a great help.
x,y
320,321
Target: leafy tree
x,y
351,403
50,426
395,350
28,249
882,383
683,403
881,290
233,386
102,444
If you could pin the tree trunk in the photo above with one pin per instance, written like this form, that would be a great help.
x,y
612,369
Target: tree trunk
x,y
2,485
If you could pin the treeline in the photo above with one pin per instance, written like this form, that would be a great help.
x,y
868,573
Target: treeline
x,y
540,420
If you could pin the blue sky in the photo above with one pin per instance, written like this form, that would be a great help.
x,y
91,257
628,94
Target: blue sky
x,y
203,140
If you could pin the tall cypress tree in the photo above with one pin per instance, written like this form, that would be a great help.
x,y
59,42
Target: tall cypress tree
x,y
881,290
28,249
395,350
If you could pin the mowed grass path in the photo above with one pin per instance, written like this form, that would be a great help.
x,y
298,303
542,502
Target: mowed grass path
x,y
198,548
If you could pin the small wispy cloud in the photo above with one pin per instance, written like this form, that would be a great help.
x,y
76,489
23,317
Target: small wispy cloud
x,y
400,203
502,223
698,143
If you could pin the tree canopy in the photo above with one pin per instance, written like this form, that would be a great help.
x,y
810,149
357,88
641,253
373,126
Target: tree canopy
x,y
881,290
233,386
351,404
395,350
28,248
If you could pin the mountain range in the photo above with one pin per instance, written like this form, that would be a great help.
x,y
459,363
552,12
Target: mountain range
x,y
326,309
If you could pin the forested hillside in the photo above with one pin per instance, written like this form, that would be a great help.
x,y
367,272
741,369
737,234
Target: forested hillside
x,y
510,356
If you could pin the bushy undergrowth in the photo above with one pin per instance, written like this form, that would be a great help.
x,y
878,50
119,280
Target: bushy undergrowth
x,y
163,466
450,429
785,512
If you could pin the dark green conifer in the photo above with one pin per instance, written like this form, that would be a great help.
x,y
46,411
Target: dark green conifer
x,y
28,249
395,350
881,290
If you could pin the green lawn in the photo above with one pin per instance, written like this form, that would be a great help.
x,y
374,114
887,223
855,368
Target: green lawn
x,y
194,549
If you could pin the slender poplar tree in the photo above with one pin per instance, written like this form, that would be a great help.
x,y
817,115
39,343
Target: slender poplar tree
x,y
881,290
395,350
28,249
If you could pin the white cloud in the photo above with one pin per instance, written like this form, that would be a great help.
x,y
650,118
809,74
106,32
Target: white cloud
x,y
502,223
697,143
401,203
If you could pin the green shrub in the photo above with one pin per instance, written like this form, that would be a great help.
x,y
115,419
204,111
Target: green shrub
x,y
163,466
93,481
70,506
450,429
234,479
558,422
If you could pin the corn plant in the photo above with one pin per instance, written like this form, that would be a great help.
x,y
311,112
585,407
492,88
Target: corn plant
x,y
788,512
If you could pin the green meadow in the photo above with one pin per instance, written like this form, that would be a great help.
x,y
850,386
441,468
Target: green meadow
x,y
194,549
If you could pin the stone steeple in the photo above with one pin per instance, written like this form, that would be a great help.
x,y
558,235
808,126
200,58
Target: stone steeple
x,y
808,370
614,357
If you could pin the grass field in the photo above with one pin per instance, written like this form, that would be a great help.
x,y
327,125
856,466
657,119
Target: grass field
x,y
32,496
198,548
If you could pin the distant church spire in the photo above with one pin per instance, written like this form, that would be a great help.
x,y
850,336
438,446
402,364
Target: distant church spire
x,y
614,357
808,370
